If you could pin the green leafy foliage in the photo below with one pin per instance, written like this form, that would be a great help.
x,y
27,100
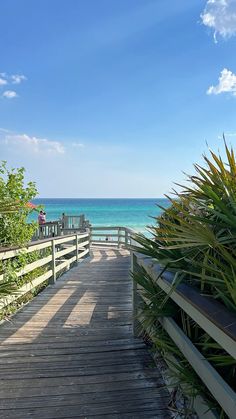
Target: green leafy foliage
x,y
195,238
196,235
14,228
14,197
12,282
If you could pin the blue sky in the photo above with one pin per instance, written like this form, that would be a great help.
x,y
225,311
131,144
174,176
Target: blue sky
x,y
114,98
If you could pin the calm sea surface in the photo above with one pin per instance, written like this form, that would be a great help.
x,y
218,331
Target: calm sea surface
x,y
133,213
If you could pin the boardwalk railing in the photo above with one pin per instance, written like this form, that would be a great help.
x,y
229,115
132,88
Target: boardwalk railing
x,y
73,221
50,229
114,235
210,315
44,259
68,224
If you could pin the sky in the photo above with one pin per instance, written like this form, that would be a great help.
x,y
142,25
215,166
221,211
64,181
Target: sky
x,y
115,98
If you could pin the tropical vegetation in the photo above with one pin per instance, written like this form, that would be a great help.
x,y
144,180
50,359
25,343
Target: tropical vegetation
x,y
14,211
195,238
15,230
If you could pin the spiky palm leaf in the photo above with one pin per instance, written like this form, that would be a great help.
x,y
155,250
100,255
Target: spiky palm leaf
x,y
195,238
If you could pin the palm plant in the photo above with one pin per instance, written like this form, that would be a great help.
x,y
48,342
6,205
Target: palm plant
x,y
195,238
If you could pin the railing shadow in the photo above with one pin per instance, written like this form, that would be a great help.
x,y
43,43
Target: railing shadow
x,y
63,305
72,346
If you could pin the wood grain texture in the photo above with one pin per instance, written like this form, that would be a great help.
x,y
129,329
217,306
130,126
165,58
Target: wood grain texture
x,y
71,353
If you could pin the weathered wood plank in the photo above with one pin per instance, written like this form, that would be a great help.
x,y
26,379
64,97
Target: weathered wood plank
x,y
122,354
11,384
95,345
71,352
86,410
121,395
78,388
49,371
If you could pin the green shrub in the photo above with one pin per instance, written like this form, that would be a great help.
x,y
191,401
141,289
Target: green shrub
x,y
195,238
14,197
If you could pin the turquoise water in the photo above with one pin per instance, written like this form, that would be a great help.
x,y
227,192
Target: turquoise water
x,y
133,213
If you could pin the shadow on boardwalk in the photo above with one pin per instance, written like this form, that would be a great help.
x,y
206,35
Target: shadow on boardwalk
x,y
70,353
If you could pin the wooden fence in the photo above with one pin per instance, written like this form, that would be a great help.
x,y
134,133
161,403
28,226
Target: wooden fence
x,y
68,224
56,255
112,235
47,230
211,316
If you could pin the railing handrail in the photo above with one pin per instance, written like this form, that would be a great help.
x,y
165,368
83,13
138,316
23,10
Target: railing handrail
x,y
104,227
181,295
115,235
4,251
36,243
79,247
52,262
51,222
186,296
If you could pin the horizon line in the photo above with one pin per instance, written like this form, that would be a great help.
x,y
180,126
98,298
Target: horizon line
x,y
50,197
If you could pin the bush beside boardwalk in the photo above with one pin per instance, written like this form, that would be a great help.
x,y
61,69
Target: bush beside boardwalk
x,y
16,231
195,239
14,209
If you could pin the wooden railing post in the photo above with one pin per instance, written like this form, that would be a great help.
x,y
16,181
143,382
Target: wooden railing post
x,y
126,237
90,239
135,296
54,274
136,299
118,237
77,249
90,236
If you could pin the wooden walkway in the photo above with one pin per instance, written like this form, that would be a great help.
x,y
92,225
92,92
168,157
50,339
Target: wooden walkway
x,y
70,352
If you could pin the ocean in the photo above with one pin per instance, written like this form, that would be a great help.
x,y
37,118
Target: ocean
x,y
133,213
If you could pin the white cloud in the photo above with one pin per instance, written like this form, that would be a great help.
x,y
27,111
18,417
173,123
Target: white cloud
x,y
220,15
10,94
3,82
3,130
17,78
34,144
11,79
227,84
77,145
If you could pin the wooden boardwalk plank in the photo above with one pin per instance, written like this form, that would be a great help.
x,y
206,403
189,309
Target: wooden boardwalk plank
x,y
70,353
